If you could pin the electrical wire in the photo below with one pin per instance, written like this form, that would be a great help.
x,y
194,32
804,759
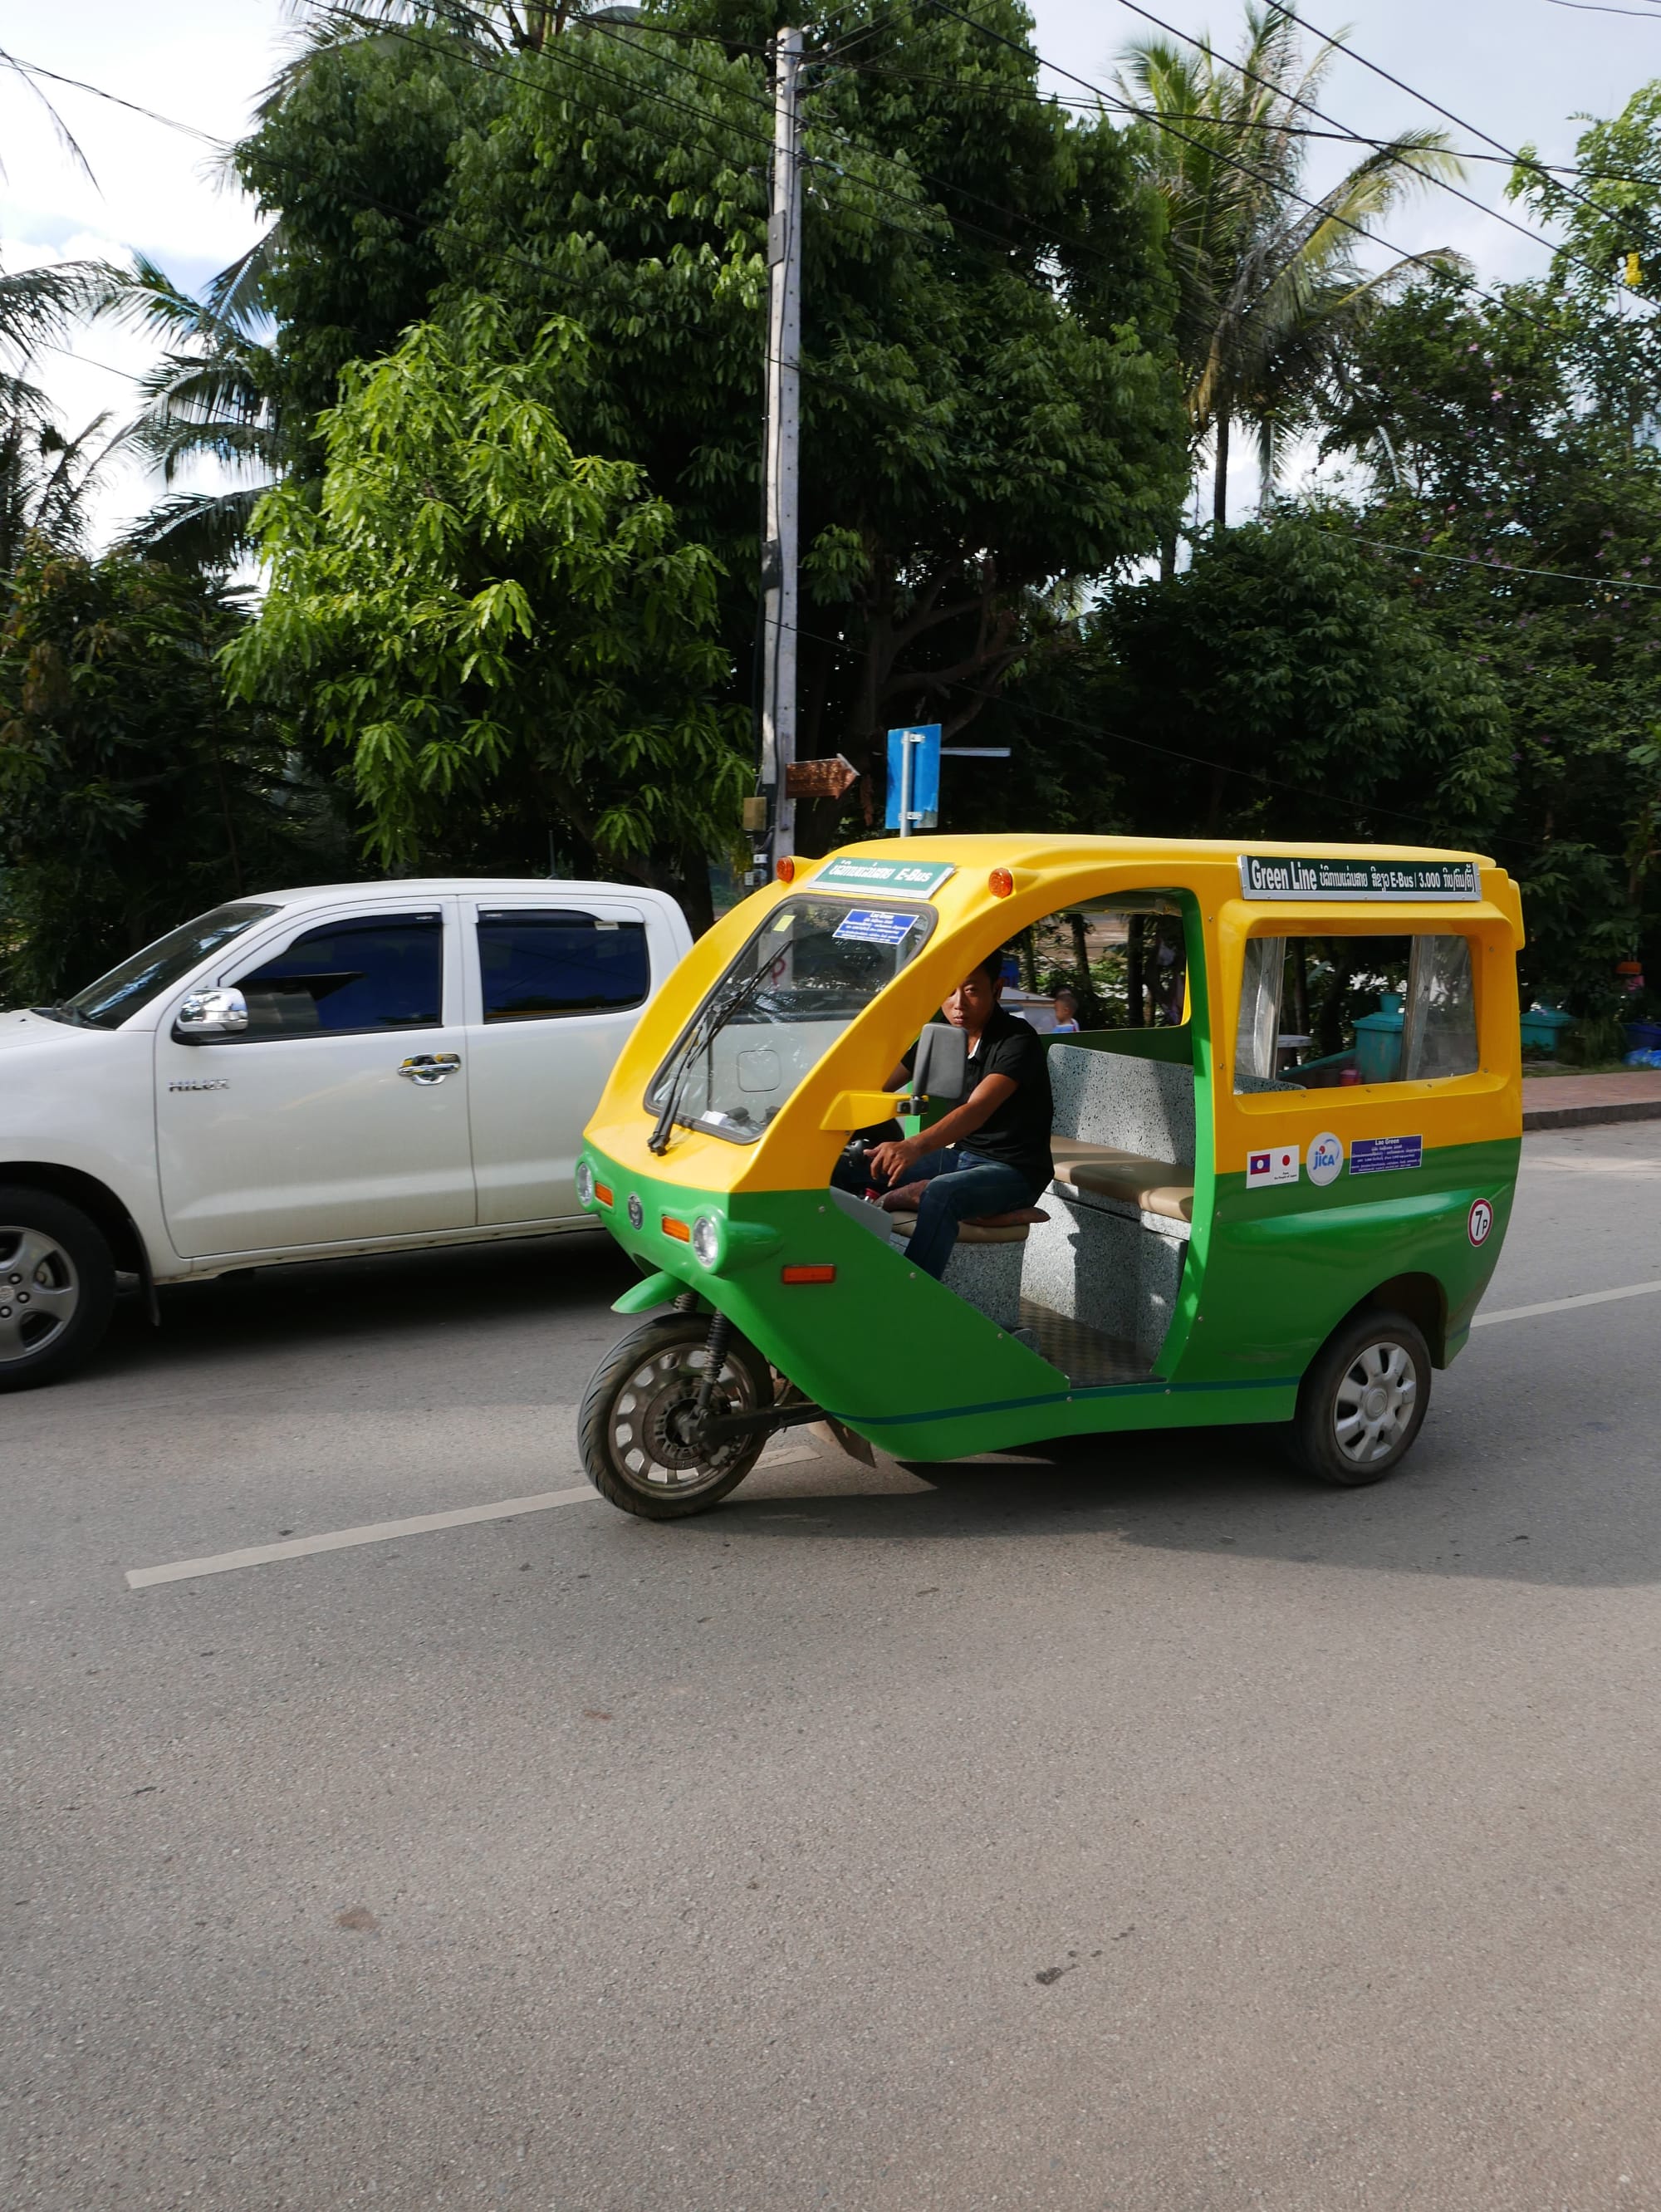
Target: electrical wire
x,y
1521,161
1616,585
1308,107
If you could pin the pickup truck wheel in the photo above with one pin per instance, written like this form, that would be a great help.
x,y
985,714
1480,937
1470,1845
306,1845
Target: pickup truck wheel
x,y
632,1426
1362,1400
57,1286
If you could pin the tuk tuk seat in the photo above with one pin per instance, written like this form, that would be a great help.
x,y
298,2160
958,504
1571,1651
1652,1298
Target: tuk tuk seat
x,y
1165,1187
903,1227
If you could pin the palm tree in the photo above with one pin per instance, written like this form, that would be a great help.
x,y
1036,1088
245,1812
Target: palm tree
x,y
1270,287
209,396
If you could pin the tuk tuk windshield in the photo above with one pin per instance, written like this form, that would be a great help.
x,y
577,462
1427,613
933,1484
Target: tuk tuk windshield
x,y
811,970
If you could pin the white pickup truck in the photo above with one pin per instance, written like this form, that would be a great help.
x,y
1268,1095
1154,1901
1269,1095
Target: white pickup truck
x,y
357,1067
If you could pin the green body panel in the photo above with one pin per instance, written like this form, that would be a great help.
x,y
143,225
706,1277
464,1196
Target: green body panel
x,y
1284,1265
901,1359
654,1290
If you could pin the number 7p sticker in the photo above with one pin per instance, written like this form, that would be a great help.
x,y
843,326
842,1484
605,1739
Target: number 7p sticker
x,y
1480,1222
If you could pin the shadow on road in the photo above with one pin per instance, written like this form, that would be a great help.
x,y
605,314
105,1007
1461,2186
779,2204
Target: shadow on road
x,y
1538,1513
331,1305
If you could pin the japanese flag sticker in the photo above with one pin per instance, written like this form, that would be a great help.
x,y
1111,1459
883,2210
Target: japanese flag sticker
x,y
1481,1221
1278,1164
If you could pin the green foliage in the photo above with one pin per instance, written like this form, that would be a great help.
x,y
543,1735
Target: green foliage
x,y
987,403
130,794
1269,290
507,640
1488,447
1282,685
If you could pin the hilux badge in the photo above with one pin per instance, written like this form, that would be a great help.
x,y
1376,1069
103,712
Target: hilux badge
x,y
201,1083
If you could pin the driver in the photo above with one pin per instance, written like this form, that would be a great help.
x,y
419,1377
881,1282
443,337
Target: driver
x,y
989,1156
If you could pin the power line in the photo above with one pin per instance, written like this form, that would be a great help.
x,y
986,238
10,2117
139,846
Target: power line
x,y
1618,586
1295,99
1316,206
1521,161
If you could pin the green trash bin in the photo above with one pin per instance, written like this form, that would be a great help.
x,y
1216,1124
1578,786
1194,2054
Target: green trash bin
x,y
1379,1044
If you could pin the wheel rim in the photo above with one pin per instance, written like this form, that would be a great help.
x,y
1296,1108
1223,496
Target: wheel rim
x,y
645,1429
40,1292
1373,1409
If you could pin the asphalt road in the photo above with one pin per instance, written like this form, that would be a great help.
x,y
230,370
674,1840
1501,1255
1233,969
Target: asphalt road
x,y
1122,1828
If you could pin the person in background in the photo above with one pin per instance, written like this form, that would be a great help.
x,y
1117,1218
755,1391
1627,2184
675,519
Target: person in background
x,y
1066,1014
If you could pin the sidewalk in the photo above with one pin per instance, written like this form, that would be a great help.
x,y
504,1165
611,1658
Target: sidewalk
x,y
1568,1102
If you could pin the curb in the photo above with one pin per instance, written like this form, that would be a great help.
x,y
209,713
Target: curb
x,y
1580,1117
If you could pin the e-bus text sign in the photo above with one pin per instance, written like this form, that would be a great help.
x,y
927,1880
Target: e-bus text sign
x,y
1271,876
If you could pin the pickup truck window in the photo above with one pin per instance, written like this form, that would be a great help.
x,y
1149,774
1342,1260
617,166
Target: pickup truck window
x,y
373,972
107,1004
534,963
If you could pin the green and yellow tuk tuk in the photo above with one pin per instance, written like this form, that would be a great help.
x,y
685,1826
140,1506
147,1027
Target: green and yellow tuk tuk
x,y
1269,1205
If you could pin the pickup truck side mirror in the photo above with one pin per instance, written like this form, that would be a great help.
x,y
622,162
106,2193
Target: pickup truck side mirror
x,y
206,1015
941,1070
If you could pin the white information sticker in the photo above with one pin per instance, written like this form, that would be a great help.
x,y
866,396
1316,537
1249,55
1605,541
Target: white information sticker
x,y
1278,1164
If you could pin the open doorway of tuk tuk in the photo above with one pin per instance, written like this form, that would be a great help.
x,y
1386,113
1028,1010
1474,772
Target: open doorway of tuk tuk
x,y
1089,1276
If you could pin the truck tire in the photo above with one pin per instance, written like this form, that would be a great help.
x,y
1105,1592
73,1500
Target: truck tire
x,y
1362,1400
630,1453
57,1286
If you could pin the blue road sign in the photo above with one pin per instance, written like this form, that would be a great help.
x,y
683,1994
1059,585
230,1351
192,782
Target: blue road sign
x,y
922,742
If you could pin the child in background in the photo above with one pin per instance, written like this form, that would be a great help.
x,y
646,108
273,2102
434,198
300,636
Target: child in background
x,y
1066,1014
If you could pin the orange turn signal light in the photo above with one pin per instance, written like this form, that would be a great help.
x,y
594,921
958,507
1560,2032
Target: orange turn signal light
x,y
1000,883
677,1230
807,1274
785,870
602,1191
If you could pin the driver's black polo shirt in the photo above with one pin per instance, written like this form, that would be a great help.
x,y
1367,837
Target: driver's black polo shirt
x,y
1018,1133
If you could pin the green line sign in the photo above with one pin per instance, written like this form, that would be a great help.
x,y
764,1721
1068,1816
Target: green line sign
x,y
1272,876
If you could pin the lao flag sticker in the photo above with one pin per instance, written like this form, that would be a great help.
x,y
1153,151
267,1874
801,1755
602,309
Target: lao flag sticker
x,y
1278,1164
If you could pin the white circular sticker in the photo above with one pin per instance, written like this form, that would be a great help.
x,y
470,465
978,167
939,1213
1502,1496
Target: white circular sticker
x,y
1325,1159
1481,1221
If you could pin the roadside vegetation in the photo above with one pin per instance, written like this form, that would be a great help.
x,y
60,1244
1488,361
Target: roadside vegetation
x,y
489,392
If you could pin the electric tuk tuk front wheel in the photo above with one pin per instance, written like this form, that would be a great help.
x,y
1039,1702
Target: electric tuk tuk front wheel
x,y
639,1411
1362,1400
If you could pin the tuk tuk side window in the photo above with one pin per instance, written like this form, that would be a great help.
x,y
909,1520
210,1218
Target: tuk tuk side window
x,y
1320,1012
803,978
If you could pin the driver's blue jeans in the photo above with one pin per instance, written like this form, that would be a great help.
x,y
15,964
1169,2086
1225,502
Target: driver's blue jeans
x,y
961,1188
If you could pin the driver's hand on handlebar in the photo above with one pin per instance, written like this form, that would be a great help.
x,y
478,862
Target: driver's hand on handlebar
x,y
894,1159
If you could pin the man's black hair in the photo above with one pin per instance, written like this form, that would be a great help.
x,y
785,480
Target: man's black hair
x,y
993,965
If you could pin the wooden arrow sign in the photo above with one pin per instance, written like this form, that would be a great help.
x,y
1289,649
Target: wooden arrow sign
x,y
820,778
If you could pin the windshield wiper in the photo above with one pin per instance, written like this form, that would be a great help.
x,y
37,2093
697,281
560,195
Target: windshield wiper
x,y
70,1015
716,1016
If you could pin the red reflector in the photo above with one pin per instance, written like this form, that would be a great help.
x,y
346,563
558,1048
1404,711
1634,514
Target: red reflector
x,y
807,1274
1000,883
602,1191
676,1229
785,870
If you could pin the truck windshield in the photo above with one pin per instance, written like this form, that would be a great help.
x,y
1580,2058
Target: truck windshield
x,y
107,1004
814,965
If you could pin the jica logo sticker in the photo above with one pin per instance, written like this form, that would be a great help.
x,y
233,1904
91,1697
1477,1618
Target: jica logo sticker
x,y
1325,1159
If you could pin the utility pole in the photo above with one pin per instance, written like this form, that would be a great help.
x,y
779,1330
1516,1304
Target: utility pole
x,y
779,550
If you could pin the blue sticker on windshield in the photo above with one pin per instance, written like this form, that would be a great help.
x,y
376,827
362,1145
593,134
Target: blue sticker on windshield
x,y
871,925
1382,1155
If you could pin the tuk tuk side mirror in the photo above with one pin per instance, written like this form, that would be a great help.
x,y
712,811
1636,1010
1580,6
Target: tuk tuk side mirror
x,y
941,1070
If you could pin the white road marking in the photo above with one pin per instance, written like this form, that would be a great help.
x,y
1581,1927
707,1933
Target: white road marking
x,y
1563,1305
341,1540
383,1532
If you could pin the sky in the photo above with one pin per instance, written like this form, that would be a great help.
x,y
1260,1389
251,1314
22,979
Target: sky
x,y
1515,70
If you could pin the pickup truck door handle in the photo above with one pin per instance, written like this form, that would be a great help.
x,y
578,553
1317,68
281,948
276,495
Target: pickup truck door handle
x,y
430,1067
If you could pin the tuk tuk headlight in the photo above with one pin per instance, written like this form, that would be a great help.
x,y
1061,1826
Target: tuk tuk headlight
x,y
707,1240
584,1184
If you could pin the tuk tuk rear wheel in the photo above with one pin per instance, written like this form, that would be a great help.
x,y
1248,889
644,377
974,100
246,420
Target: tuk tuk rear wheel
x,y
634,1413
1362,1400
